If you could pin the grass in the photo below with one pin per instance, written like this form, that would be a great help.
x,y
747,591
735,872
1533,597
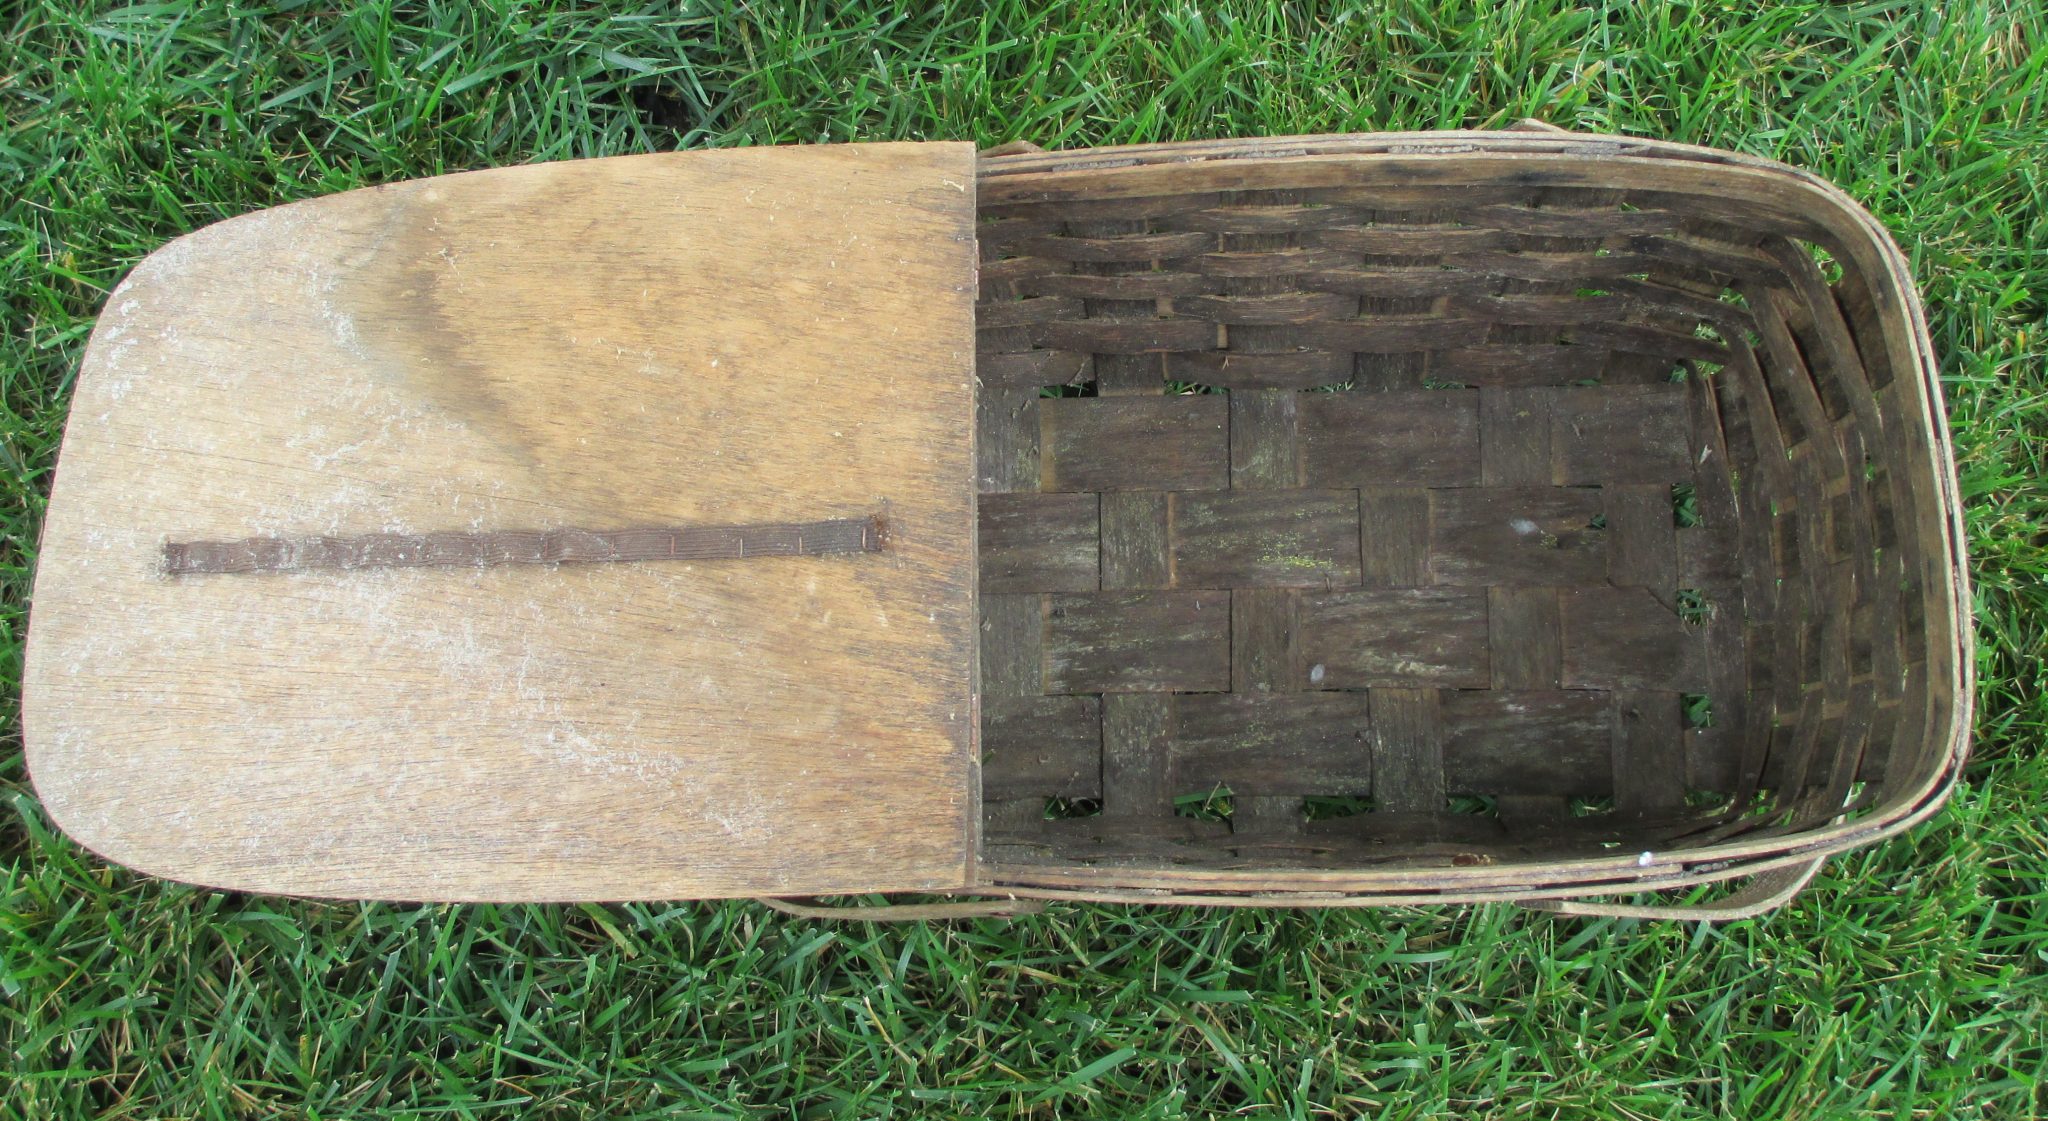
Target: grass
x,y
1911,980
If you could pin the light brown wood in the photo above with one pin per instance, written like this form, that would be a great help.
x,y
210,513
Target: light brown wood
x,y
720,338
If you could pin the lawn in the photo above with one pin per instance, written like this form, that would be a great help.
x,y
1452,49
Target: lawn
x,y
1911,980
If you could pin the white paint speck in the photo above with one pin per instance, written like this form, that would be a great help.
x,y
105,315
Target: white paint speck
x,y
1523,526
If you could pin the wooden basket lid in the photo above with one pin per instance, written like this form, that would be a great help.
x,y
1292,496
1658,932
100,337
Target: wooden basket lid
x,y
297,626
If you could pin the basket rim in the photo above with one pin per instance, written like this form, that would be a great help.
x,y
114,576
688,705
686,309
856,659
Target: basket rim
x,y
1138,170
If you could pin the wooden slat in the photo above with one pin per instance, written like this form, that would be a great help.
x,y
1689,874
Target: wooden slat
x,y
1031,369
1265,442
1642,537
1135,759
1128,247
1515,449
1041,747
1012,628
1525,631
1623,638
1275,310
1265,655
1620,434
1136,540
1278,745
1129,286
1239,371
1517,365
1394,536
1136,443
1517,535
1407,751
1138,642
1416,438
1395,637
1649,752
1007,453
1132,336
1503,741
1039,543
1294,538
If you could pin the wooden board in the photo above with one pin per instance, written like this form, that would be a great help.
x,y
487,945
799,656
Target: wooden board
x,y
706,339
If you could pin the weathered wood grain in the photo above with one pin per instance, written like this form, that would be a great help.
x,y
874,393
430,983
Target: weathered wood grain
x,y
1269,539
1423,438
1041,746
1622,638
1136,443
1408,751
1492,536
1525,637
1040,543
1135,757
1278,745
1620,434
1395,637
1137,539
475,353
1555,743
1153,641
1393,526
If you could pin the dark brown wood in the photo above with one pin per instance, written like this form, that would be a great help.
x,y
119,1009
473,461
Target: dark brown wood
x,y
1012,659
1395,637
1041,746
1040,543
1276,745
1265,440
1137,549
1424,438
1265,653
1134,757
500,547
1620,434
1393,526
1528,742
1120,642
1553,479
1648,752
1136,443
1252,538
1525,636
1623,638
1407,751
1490,536
1516,450
1239,371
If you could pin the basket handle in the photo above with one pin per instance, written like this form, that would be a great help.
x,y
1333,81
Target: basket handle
x,y
909,912
1765,891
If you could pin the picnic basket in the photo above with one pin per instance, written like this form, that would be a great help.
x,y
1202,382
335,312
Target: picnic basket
x,y
1306,521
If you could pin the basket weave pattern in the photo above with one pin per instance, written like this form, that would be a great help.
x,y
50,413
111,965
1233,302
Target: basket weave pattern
x,y
1325,527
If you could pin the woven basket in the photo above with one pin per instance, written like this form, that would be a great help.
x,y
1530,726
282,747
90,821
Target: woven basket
x,y
1418,518
1350,520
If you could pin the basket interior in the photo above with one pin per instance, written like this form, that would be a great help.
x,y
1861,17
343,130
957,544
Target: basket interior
x,y
1327,527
